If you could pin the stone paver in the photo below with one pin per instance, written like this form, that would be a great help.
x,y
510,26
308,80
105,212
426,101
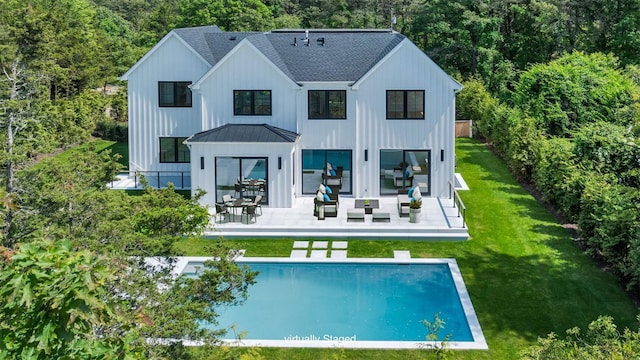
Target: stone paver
x,y
300,244
298,253
338,254
339,244
318,254
320,244
401,254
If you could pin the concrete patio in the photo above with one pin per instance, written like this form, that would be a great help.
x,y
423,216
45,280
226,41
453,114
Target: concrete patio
x,y
440,221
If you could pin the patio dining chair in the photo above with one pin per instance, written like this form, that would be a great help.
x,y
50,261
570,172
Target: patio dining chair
x,y
226,198
257,202
239,189
250,212
222,212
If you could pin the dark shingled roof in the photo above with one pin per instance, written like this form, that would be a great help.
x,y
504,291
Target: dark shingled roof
x,y
331,55
260,133
195,37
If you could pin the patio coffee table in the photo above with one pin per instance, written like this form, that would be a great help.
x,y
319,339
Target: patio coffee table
x,y
368,208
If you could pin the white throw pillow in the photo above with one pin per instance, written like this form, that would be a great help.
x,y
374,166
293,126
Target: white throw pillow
x,y
322,189
320,196
416,193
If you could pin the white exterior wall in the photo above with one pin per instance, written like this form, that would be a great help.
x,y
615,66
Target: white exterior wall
x,y
279,185
405,69
247,69
172,61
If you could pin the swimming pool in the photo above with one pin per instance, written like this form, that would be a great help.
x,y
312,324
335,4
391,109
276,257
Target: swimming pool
x,y
359,303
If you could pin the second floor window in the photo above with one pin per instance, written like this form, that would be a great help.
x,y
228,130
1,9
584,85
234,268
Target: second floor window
x,y
251,102
172,150
405,104
174,93
327,104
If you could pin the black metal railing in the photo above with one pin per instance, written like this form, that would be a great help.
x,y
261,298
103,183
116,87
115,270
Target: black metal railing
x,y
158,179
457,203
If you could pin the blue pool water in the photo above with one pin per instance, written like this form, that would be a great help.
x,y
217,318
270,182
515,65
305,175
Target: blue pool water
x,y
370,302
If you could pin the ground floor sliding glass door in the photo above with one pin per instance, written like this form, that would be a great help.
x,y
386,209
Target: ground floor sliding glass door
x,y
402,169
329,167
242,177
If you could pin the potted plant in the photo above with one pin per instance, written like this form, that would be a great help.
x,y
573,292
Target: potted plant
x,y
415,209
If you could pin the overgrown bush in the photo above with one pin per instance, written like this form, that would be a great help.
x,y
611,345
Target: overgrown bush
x,y
601,340
610,226
523,143
607,148
577,89
111,130
557,175
476,103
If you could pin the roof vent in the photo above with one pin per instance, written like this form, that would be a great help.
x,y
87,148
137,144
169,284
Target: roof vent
x,y
295,41
320,41
306,37
232,38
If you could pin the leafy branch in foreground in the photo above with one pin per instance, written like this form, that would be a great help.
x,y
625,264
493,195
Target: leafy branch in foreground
x,y
434,341
601,340
55,305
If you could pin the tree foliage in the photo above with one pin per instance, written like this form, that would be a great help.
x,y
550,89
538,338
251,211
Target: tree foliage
x,y
575,90
55,305
600,341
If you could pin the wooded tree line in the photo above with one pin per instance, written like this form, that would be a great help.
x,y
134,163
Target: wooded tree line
x,y
566,121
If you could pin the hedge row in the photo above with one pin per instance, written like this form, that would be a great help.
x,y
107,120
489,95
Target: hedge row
x,y
111,130
587,166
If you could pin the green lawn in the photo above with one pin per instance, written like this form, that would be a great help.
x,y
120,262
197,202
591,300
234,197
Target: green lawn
x,y
525,275
97,145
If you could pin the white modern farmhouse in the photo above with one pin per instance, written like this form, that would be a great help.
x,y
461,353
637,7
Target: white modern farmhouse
x,y
364,112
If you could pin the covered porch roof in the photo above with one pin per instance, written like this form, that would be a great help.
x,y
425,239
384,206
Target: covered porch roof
x,y
245,133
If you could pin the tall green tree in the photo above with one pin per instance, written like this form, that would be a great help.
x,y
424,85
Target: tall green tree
x,y
461,35
577,89
229,15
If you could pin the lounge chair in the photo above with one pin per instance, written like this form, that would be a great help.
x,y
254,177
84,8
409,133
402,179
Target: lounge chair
x,y
330,208
403,205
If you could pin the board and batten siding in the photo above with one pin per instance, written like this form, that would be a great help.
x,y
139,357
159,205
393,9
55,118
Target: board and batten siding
x,y
247,69
407,68
326,133
172,61
279,180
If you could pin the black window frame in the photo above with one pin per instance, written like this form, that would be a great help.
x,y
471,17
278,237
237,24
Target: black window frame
x,y
177,91
252,110
326,107
177,143
405,105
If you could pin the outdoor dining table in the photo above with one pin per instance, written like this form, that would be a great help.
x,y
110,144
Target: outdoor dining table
x,y
236,204
253,186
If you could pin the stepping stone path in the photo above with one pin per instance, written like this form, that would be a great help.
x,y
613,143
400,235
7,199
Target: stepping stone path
x,y
319,249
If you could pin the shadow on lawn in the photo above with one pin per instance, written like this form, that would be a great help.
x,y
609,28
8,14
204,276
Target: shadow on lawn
x,y
123,150
535,295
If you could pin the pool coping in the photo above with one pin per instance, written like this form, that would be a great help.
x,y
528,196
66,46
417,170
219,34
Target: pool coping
x,y
479,342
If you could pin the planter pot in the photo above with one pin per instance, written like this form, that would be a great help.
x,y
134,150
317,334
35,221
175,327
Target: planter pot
x,y
415,215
